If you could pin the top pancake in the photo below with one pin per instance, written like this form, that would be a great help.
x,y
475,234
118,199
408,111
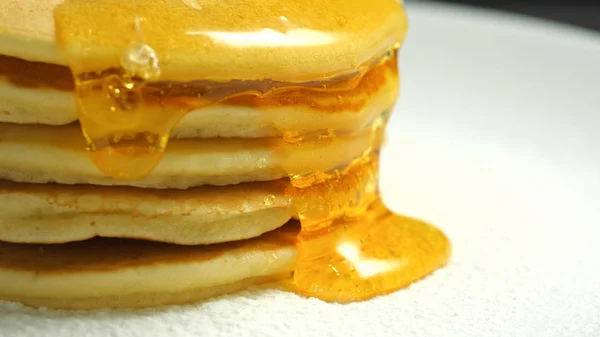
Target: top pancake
x,y
208,39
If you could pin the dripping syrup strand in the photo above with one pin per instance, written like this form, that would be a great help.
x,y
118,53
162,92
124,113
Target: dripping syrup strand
x,y
127,123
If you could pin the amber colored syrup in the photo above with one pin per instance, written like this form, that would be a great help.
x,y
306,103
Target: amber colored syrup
x,y
351,247
373,253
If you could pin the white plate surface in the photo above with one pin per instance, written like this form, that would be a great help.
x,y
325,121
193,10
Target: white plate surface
x,y
496,140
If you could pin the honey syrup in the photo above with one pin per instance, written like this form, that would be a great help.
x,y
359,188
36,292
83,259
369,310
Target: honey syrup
x,y
131,91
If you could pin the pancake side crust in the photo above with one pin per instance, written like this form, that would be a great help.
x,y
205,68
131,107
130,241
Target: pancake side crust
x,y
52,213
112,273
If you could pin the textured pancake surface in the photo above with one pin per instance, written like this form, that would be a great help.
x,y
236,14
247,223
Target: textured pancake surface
x,y
41,154
114,273
52,213
27,30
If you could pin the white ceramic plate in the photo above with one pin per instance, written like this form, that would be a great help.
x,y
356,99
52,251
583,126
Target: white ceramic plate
x,y
496,140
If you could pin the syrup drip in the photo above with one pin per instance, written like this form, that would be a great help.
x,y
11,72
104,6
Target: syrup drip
x,y
351,246
372,253
126,133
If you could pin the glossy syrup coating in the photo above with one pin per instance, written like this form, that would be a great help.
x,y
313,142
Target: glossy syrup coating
x,y
291,41
351,247
371,254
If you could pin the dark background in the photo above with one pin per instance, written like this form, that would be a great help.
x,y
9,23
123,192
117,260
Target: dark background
x,y
582,13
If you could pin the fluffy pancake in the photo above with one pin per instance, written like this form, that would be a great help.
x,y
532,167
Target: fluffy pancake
x,y
41,154
27,30
23,99
212,43
111,273
51,213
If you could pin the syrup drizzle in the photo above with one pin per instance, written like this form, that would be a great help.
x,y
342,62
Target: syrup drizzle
x,y
351,246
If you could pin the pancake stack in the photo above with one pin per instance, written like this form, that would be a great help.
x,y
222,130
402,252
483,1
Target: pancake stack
x,y
301,93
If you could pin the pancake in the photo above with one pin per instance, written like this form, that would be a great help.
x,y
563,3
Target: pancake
x,y
42,154
134,80
326,36
29,98
51,213
27,30
114,273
